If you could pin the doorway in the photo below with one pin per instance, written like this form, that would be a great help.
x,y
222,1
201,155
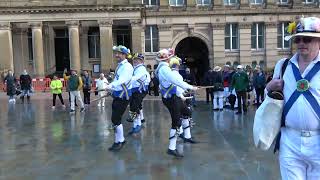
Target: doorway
x,y
61,42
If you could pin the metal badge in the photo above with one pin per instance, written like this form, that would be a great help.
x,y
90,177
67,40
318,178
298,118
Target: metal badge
x,y
303,85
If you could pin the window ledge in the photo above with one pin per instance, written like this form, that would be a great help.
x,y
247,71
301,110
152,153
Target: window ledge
x,y
231,5
309,3
282,4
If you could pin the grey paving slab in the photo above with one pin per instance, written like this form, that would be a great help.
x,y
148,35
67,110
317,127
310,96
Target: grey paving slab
x,y
37,142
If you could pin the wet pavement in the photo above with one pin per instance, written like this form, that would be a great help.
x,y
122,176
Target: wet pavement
x,y
37,142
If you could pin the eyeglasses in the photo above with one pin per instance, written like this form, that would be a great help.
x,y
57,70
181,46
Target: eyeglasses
x,y
305,39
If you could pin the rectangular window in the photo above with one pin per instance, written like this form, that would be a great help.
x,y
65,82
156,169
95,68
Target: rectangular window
x,y
308,1
151,39
281,34
30,45
94,43
176,2
150,2
283,1
256,1
231,37
203,2
230,2
257,36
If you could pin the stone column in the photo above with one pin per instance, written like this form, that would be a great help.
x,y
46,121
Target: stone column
x,y
218,44
136,38
37,47
6,51
74,45
20,50
106,43
245,42
271,44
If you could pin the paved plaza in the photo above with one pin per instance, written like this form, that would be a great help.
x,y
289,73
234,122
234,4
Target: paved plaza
x,y
37,142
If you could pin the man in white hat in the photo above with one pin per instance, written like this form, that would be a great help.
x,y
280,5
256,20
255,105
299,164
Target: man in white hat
x,y
217,89
121,92
299,155
168,87
101,84
240,83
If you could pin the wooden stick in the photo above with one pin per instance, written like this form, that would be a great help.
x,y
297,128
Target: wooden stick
x,y
205,87
97,99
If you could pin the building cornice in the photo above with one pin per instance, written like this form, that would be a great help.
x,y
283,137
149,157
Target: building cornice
x,y
59,9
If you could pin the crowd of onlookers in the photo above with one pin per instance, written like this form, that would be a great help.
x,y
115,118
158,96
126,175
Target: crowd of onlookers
x,y
231,87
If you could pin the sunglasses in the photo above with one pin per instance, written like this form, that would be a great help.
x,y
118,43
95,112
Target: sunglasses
x,y
304,39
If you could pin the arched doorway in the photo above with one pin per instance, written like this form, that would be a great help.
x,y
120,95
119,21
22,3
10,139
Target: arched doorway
x,y
194,54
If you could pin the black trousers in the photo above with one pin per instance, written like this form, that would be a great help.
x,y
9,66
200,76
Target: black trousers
x,y
55,97
260,93
119,106
177,108
136,102
209,93
242,95
86,96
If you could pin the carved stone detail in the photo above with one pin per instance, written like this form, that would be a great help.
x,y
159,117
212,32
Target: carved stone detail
x,y
35,25
164,27
218,25
5,26
105,22
245,25
72,23
271,24
135,22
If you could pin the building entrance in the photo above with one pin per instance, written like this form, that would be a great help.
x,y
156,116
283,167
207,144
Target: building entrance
x,y
61,41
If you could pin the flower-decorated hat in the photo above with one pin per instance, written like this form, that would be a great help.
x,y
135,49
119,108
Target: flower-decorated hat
x,y
217,68
164,54
174,61
121,49
309,26
138,56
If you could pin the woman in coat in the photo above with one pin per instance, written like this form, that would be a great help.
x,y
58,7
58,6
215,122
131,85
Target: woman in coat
x,y
11,83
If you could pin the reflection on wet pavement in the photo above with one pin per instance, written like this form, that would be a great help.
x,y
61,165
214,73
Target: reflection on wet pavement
x,y
39,143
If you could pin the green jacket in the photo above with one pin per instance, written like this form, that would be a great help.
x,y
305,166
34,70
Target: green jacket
x,y
56,86
240,81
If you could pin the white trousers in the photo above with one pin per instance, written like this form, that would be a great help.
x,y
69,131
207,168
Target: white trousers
x,y
102,101
218,100
299,156
74,95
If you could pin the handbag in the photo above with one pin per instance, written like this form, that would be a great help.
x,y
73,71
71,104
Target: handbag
x,y
267,119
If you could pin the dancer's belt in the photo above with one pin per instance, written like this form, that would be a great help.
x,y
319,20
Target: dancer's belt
x,y
304,133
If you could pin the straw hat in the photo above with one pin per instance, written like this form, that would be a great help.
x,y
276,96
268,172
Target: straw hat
x,y
239,67
309,26
164,54
138,56
121,49
175,61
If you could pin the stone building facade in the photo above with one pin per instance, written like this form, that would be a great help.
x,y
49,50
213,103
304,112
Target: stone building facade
x,y
46,36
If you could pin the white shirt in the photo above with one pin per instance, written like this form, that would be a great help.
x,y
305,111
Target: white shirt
x,y
122,75
101,83
301,116
168,77
180,90
140,73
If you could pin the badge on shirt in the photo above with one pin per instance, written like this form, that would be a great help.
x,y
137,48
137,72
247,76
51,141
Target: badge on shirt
x,y
303,85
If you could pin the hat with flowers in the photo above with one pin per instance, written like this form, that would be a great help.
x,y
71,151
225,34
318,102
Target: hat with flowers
x,y
309,26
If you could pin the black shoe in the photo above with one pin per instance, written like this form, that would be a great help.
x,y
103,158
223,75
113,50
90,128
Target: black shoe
x,y
117,146
239,112
181,136
82,109
72,111
174,153
190,140
129,119
143,121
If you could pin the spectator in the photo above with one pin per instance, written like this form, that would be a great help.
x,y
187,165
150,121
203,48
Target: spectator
x,y
101,86
56,90
240,83
207,81
190,79
217,89
11,82
87,83
226,83
259,83
155,83
25,84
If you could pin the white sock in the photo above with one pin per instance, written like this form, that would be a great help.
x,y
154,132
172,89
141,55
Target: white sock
x,y
172,141
119,134
180,130
187,133
139,120
135,122
141,114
